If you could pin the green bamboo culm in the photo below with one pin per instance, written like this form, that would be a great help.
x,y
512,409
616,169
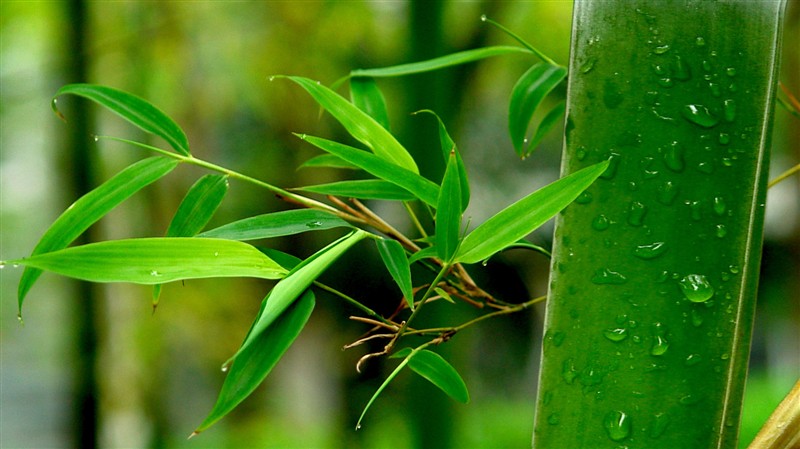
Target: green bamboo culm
x,y
654,269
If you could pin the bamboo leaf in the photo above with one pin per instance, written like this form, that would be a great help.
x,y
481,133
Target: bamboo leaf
x,y
395,260
424,253
135,110
382,387
277,224
297,281
254,363
551,119
370,189
360,125
454,59
437,371
521,218
90,208
157,260
327,161
198,206
448,211
420,187
367,96
527,95
448,145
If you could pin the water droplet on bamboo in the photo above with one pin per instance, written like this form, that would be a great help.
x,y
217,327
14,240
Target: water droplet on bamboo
x,y
667,193
659,425
613,164
699,115
154,273
682,71
696,288
584,198
688,399
730,71
553,419
617,424
607,276
313,224
616,335
483,18
568,371
696,210
729,110
715,89
724,138
661,49
588,65
721,231
636,213
649,251
674,156
692,359
660,343
700,41
600,223
558,338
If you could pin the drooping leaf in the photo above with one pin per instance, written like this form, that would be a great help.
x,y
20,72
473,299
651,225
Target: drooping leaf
x,y
532,87
395,260
277,224
198,206
420,187
326,161
134,109
448,145
551,119
367,96
157,260
90,208
521,218
360,125
448,211
369,189
254,363
380,389
439,63
437,371
297,281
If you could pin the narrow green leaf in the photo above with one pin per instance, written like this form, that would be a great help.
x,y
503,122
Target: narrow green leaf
x,y
297,281
254,363
198,206
382,387
551,119
526,96
134,109
157,260
437,371
420,187
360,125
424,253
448,211
367,96
521,218
439,63
369,189
90,208
395,260
277,224
448,145
326,161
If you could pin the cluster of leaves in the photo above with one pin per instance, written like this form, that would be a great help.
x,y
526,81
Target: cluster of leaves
x,y
187,251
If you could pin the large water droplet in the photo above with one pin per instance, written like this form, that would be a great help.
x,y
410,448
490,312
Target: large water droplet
x,y
682,71
600,223
667,193
729,110
636,213
650,251
616,335
613,164
696,288
674,157
617,424
660,345
721,231
699,115
607,276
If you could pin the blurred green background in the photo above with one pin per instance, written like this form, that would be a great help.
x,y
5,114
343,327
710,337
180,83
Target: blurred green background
x,y
92,367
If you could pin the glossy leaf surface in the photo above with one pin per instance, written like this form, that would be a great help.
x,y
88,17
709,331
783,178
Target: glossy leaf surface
x,y
448,211
367,96
198,206
370,189
277,224
395,260
437,371
448,145
91,207
526,97
135,110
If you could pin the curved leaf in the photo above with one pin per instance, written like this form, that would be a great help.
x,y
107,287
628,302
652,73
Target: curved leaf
x,y
368,189
420,187
134,109
277,224
360,125
448,211
521,218
254,363
90,208
157,260
528,93
449,145
551,119
366,95
395,260
441,62
198,206
437,371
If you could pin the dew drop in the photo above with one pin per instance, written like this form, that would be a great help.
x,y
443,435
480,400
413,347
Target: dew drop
x,y
584,198
705,167
724,138
688,400
616,335
636,213
358,426
650,251
730,71
700,41
696,288
692,359
568,371
216,254
715,89
558,338
695,207
600,223
613,164
660,423
313,224
661,49
581,153
721,231
667,193
734,269
607,276
660,345
700,115
674,156
2,264
665,82
617,424
588,65
272,78
729,110
154,273
483,18
707,66
96,138
682,71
